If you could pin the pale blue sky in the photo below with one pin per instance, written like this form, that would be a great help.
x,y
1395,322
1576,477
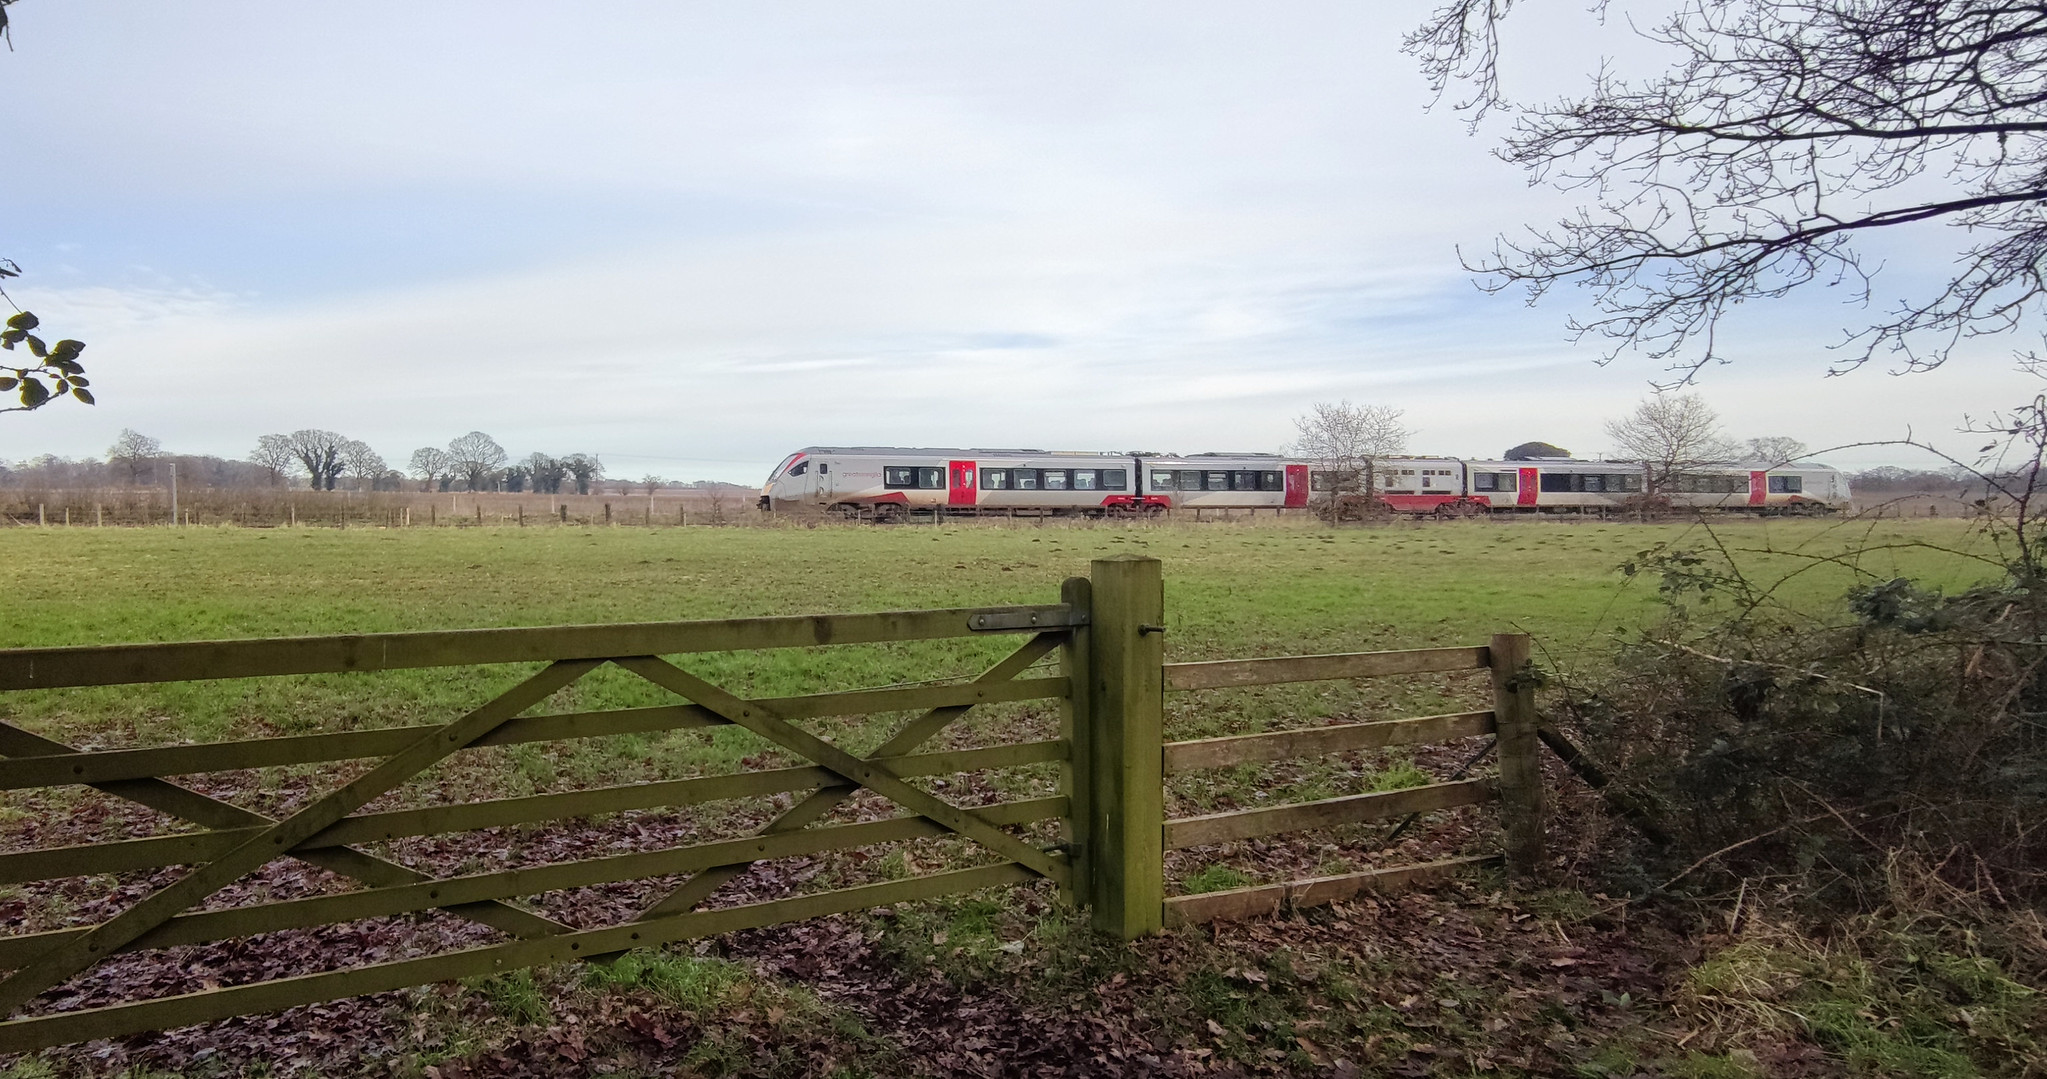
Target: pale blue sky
x,y
691,238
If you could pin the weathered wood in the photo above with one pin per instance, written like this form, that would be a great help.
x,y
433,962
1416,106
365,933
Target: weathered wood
x,y
186,804
22,1035
1075,728
1326,813
1314,741
121,664
103,766
69,958
866,772
1125,718
189,848
1267,900
1521,796
801,815
1221,673
529,880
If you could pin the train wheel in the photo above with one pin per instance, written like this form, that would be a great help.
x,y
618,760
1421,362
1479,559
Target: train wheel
x,y
891,513
846,511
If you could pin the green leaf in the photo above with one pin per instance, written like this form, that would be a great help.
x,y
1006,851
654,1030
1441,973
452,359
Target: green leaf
x,y
23,321
8,383
80,393
36,347
67,365
67,348
80,380
9,338
33,393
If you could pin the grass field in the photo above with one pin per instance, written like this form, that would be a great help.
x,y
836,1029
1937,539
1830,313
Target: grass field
x,y
1233,589
1229,586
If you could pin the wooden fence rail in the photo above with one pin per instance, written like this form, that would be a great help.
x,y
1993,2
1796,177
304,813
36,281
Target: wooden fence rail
x,y
1107,633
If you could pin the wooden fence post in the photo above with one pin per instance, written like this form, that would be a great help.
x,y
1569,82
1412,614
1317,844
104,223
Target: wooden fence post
x,y
1521,798
1076,664
1123,747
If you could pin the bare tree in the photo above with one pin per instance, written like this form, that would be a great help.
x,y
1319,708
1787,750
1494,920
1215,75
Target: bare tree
x,y
1775,449
1345,439
1667,432
135,452
430,463
273,453
652,483
1782,133
585,468
319,453
547,473
363,463
476,455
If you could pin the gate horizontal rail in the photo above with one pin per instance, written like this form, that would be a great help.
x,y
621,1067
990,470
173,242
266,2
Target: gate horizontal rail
x,y
105,766
127,664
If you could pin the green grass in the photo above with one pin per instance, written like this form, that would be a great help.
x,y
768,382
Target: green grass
x,y
1228,586
1231,590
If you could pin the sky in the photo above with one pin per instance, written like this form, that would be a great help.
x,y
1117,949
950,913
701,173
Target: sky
x,y
693,238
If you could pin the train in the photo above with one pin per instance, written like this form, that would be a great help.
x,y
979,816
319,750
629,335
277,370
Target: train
x,y
890,483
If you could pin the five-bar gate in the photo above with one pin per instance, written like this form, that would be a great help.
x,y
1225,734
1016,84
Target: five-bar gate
x,y
1108,633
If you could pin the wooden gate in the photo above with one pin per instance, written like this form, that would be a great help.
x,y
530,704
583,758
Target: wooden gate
x,y
328,831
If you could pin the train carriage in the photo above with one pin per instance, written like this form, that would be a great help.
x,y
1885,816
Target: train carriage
x,y
889,483
1227,481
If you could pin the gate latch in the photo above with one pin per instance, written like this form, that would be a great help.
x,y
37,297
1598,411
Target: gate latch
x,y
1026,618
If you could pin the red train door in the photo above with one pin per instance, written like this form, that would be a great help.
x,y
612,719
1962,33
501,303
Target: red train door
x,y
1527,487
959,489
1758,487
1296,485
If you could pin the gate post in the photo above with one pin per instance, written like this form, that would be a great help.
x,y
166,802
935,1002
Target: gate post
x,y
1521,798
1119,748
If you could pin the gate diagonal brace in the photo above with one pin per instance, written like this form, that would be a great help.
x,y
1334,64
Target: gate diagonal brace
x,y
208,812
865,773
75,954
821,801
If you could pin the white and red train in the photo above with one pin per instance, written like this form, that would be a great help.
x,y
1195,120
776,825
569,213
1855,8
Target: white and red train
x,y
884,483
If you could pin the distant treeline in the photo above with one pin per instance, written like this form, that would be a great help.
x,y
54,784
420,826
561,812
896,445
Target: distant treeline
x,y
319,460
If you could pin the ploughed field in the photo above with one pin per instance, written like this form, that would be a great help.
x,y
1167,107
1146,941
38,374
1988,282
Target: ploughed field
x,y
1232,590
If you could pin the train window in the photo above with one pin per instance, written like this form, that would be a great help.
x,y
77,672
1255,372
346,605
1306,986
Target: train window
x,y
931,479
1787,485
1190,480
1556,481
1630,482
1114,479
1084,479
1321,481
994,479
800,469
1271,481
1695,483
1243,481
1485,481
1162,480
898,476
1595,483
1218,481
1026,478
1057,479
